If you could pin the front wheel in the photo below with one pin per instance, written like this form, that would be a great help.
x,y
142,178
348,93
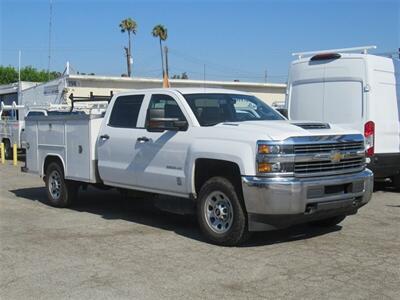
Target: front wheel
x,y
330,222
221,214
60,192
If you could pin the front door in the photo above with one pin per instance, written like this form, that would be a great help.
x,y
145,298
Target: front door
x,y
161,156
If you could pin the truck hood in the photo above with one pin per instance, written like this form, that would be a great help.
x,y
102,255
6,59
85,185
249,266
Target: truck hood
x,y
283,129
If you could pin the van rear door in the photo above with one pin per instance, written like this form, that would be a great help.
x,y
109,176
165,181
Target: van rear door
x,y
334,95
343,102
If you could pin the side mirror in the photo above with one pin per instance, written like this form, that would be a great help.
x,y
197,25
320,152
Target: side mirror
x,y
157,122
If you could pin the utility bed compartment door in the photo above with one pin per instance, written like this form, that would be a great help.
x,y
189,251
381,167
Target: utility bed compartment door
x,y
31,159
78,151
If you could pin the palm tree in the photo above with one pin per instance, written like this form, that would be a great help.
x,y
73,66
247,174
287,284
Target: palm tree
x,y
128,25
162,33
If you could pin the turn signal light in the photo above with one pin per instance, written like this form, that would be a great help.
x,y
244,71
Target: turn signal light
x,y
264,167
268,149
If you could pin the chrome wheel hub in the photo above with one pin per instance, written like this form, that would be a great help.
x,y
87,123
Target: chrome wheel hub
x,y
55,184
218,212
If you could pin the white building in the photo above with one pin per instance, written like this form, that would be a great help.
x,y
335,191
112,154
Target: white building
x,y
57,91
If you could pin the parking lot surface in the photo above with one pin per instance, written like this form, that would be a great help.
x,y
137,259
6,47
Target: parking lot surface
x,y
107,248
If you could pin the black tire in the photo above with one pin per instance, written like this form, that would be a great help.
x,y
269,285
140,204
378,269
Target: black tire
x,y
67,190
330,222
8,153
396,182
237,233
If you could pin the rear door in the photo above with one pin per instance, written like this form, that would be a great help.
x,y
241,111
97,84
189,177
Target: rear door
x,y
116,144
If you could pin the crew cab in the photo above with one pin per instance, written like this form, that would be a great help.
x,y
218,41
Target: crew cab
x,y
243,165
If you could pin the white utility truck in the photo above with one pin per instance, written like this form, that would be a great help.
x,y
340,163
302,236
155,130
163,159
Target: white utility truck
x,y
355,90
12,128
242,164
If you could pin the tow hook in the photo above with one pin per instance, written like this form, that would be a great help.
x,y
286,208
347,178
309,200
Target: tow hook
x,y
356,202
311,208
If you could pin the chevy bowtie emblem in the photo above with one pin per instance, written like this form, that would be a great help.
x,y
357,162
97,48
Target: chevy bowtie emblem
x,y
336,156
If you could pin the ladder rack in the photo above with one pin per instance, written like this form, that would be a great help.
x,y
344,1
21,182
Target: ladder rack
x,y
363,49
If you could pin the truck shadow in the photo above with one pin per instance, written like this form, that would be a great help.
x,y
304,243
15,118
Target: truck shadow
x,y
384,186
111,206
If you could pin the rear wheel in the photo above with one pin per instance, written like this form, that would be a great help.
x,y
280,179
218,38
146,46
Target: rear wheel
x,y
7,149
60,192
330,222
221,214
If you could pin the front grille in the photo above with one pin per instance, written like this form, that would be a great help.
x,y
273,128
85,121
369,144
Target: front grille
x,y
344,165
316,158
328,147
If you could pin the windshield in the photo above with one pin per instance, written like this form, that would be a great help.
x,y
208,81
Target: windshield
x,y
211,109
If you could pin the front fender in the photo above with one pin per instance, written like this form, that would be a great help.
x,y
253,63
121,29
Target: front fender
x,y
240,153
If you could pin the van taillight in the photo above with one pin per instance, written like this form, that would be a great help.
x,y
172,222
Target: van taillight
x,y
369,134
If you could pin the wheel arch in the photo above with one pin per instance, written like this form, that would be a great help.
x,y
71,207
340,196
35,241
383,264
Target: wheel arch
x,y
206,168
50,158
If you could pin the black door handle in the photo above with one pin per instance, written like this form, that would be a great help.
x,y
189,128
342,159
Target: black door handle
x,y
105,137
143,139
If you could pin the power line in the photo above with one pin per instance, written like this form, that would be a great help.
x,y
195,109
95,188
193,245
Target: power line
x,y
209,63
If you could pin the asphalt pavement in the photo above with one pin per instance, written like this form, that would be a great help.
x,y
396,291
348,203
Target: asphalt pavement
x,y
104,247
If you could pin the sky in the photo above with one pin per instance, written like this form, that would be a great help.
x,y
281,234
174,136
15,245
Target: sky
x,y
216,40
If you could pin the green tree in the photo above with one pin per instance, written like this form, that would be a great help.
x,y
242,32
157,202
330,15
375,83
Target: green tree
x,y
9,74
130,26
160,32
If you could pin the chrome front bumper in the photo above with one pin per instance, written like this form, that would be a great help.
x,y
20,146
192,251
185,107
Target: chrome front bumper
x,y
280,202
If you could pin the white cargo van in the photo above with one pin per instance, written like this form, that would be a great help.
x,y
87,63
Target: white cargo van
x,y
358,90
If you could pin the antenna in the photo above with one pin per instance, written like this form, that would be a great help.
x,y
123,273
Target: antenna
x,y
204,76
50,23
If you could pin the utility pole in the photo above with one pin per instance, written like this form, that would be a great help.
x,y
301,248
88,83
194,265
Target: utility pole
x,y
19,67
265,75
50,24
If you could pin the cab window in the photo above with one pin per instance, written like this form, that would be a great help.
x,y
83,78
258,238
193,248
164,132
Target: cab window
x,y
126,111
167,107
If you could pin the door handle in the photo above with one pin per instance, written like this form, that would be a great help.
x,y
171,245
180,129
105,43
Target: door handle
x,y
143,139
104,137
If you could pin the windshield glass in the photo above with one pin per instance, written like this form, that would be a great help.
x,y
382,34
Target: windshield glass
x,y
211,109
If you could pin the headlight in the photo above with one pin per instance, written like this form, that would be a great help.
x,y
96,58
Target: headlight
x,y
274,158
268,149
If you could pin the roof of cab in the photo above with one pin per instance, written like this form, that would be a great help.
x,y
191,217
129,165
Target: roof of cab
x,y
198,90
186,91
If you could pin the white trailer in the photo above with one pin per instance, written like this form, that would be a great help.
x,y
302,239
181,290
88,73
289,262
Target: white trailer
x,y
10,112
